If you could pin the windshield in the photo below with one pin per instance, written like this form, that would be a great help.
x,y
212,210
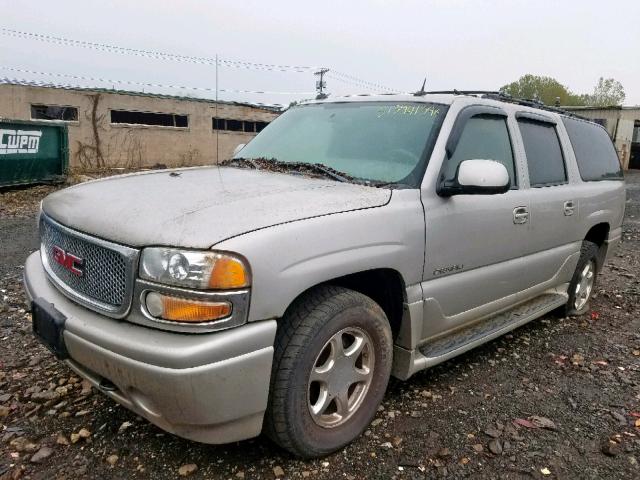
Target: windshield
x,y
381,142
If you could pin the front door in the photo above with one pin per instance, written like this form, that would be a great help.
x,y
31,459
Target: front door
x,y
474,242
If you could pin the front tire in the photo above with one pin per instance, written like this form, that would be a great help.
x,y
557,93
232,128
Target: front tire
x,y
583,282
332,363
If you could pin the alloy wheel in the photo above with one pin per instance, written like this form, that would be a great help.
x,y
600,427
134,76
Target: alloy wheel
x,y
340,377
585,285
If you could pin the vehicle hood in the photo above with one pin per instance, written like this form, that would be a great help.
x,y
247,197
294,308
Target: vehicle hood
x,y
199,207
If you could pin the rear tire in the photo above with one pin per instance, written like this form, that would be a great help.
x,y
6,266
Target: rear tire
x,y
332,362
584,280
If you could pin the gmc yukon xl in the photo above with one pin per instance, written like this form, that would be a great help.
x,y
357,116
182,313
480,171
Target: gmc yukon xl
x,y
351,240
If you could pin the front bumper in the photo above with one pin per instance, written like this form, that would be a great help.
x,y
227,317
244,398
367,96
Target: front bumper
x,y
209,387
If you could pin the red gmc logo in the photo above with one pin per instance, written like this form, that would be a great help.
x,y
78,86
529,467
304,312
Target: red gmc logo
x,y
68,260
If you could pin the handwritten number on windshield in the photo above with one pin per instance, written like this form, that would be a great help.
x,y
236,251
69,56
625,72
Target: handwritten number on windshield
x,y
407,110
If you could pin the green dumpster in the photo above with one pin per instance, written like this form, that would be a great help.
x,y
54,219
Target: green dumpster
x,y
32,152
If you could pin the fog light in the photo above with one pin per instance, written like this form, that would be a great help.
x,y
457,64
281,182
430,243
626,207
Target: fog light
x,y
185,309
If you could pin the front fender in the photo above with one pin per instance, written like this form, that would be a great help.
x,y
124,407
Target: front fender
x,y
290,258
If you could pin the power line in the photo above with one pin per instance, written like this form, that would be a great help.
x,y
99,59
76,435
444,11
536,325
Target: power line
x,y
153,54
145,84
346,78
241,64
356,84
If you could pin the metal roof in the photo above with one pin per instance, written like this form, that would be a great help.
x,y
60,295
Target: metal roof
x,y
609,107
277,108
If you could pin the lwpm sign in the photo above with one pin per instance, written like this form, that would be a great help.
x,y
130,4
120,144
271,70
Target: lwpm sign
x,y
19,141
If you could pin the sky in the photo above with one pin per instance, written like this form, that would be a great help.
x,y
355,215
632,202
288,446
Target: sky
x,y
368,46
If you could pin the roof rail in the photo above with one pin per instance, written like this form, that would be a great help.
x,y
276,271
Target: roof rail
x,y
464,92
504,97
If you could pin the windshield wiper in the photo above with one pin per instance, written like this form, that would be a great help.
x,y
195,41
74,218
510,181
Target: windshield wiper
x,y
385,184
276,165
323,169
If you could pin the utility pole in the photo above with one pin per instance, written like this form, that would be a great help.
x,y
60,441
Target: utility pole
x,y
321,84
217,121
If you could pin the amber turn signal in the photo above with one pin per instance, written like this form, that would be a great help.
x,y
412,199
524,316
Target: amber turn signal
x,y
185,310
228,272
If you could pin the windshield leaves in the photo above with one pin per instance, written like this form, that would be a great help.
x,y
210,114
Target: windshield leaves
x,y
240,162
275,165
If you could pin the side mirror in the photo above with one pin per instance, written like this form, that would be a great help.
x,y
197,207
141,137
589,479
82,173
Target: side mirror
x,y
238,148
477,177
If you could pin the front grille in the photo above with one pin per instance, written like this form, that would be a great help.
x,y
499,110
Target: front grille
x,y
106,281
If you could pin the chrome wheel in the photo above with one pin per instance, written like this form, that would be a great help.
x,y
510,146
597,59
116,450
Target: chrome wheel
x,y
585,285
340,377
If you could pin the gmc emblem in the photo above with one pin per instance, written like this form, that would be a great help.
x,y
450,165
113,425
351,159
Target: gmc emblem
x,y
68,260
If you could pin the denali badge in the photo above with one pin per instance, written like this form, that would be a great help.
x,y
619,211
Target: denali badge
x,y
68,260
447,269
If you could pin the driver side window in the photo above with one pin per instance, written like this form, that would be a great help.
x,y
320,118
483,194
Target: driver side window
x,y
485,137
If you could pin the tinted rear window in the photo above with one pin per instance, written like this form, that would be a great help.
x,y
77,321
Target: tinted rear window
x,y
597,158
544,154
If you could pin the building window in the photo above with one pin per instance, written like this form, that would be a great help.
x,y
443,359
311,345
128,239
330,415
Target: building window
x,y
235,125
148,118
54,112
238,125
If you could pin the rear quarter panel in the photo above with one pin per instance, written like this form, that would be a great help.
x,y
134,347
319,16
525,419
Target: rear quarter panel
x,y
601,202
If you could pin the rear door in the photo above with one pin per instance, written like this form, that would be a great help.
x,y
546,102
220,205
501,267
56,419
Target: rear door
x,y
553,200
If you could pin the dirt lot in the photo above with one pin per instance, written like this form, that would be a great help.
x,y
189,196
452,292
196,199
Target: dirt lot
x,y
576,379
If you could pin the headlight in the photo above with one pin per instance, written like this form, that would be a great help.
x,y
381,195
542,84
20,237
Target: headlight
x,y
201,270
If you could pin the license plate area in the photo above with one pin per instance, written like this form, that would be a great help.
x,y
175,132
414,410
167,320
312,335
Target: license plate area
x,y
48,327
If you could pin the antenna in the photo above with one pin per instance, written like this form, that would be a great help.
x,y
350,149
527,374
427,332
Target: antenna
x,y
321,84
421,92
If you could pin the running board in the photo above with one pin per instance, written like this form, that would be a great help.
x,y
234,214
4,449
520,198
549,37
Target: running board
x,y
442,349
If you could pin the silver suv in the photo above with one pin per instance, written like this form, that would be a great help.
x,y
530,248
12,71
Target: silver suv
x,y
351,240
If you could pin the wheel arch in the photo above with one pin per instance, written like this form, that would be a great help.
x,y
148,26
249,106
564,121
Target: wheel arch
x,y
385,286
598,234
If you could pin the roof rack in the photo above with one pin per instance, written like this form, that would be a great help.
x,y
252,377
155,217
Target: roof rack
x,y
465,92
504,97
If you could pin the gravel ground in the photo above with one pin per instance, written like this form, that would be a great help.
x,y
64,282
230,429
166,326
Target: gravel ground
x,y
558,398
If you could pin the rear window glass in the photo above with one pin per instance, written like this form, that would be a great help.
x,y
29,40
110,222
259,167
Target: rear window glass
x,y
597,158
544,154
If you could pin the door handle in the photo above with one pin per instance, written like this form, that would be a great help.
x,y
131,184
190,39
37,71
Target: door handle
x,y
569,208
520,215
